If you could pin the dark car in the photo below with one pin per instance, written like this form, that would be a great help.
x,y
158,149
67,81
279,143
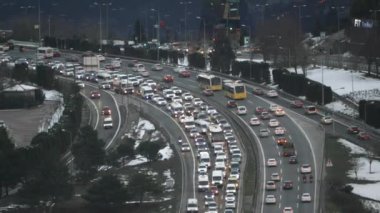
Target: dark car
x,y
353,130
265,116
168,78
208,92
281,141
296,104
231,104
95,95
259,110
288,184
257,91
293,160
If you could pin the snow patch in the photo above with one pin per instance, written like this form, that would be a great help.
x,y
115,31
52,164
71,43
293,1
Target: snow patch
x,y
139,160
373,206
363,170
367,190
166,153
339,106
145,125
169,182
354,149
52,95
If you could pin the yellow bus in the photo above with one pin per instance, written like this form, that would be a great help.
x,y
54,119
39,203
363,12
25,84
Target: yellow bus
x,y
211,82
236,91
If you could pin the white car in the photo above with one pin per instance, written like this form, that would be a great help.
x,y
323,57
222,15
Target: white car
x,y
326,120
272,162
101,57
241,110
157,67
270,185
264,133
187,97
231,188
161,101
192,205
202,168
177,99
254,121
305,169
273,123
230,204
211,110
288,210
218,149
176,90
235,174
230,197
279,112
275,176
272,93
197,101
270,199
279,131
305,197
151,83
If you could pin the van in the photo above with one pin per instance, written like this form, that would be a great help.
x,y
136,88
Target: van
x,y
217,177
310,110
176,109
203,182
192,205
139,68
107,123
146,92
204,158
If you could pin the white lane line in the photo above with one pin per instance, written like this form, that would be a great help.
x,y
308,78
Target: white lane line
x,y
298,205
290,137
298,188
279,153
280,161
251,102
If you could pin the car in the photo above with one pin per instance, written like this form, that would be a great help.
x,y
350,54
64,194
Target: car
x,y
176,90
209,194
281,141
279,112
229,211
107,122
231,104
230,197
293,159
207,92
271,162
305,169
209,200
3,125
95,95
273,123
184,74
231,188
230,204
305,197
161,101
106,110
296,104
235,174
168,79
288,184
326,120
270,199
194,132
157,67
145,73
257,91
259,110
264,116
353,130
214,189
287,210
279,131
104,85
311,110
187,96
185,147
272,94
192,205
270,185
81,84
241,110
254,121
202,168
197,101
364,136
275,176
212,206
264,133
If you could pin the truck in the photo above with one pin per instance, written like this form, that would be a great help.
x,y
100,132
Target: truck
x,y
90,60
288,149
215,135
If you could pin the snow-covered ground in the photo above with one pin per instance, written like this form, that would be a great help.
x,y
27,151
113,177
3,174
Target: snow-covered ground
x,y
372,205
166,152
354,149
363,170
339,106
137,161
169,182
48,122
370,190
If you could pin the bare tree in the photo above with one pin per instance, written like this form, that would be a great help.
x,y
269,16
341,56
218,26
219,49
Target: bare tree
x,y
356,166
370,156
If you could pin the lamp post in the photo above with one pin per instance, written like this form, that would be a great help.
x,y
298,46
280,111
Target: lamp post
x,y
158,32
100,24
262,6
204,40
185,3
107,17
39,23
299,15
337,8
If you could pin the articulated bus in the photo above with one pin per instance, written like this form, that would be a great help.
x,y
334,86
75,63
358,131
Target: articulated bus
x,y
211,82
236,91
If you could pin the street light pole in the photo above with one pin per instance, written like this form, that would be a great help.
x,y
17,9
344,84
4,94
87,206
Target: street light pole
x,y
100,24
204,40
39,23
185,3
158,33
299,15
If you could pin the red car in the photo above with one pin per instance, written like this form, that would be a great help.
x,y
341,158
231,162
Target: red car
x,y
208,92
296,104
106,110
259,110
168,78
214,190
353,130
281,141
184,74
231,104
95,95
364,136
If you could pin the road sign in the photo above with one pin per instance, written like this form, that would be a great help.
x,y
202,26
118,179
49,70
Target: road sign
x,y
329,163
